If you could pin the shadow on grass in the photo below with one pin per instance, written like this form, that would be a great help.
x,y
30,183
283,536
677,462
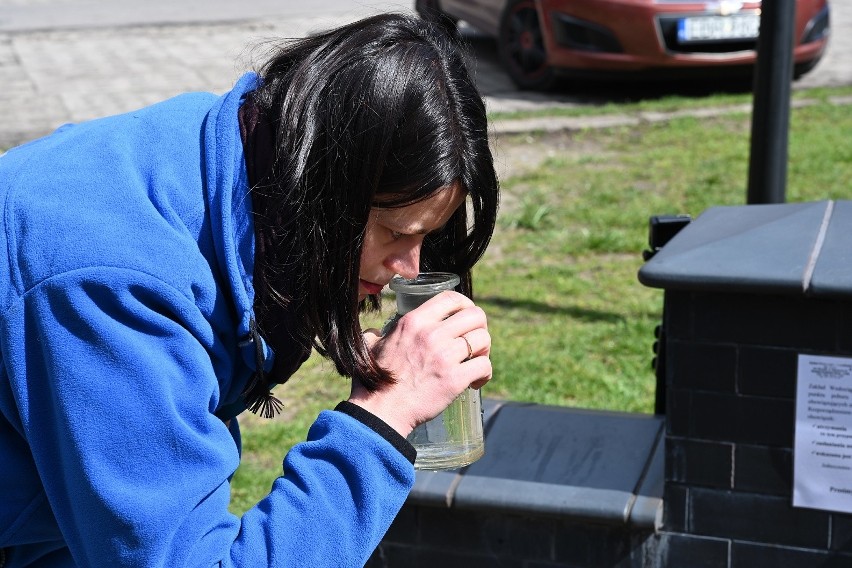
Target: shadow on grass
x,y
542,308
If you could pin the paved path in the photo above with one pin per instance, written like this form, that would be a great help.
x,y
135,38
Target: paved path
x,y
71,60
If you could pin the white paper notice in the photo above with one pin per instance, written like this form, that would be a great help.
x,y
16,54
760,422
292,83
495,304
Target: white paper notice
x,y
822,470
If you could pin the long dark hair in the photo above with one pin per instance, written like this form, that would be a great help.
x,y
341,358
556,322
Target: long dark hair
x,y
378,112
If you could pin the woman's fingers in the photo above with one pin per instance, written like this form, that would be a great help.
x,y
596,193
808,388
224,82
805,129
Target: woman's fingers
x,y
475,366
459,329
475,343
445,304
479,370
435,352
371,336
454,313
467,347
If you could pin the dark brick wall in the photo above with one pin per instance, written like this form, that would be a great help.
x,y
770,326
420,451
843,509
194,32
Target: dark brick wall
x,y
730,376
728,372
430,537
558,486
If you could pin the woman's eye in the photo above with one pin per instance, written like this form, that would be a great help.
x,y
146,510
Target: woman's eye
x,y
396,235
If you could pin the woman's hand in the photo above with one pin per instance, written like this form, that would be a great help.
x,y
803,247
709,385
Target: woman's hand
x,y
435,352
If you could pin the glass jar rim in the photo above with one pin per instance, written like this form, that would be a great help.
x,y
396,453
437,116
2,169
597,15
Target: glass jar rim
x,y
425,283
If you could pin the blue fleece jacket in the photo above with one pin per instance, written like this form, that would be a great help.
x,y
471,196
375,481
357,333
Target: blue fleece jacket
x,y
126,259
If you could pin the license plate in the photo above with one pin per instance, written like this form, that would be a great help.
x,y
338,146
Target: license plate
x,y
698,29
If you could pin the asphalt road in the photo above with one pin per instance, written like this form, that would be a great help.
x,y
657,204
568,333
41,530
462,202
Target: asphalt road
x,y
71,60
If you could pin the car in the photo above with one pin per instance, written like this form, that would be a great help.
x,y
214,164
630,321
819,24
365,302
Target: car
x,y
541,40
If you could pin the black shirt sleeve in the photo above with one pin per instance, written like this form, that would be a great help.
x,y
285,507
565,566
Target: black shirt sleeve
x,y
380,427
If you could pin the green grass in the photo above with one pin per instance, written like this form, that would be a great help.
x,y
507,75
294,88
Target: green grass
x,y
570,323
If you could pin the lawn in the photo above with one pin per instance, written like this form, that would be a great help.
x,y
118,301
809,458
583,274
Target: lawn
x,y
570,323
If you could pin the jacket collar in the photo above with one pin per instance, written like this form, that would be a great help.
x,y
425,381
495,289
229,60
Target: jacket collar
x,y
227,194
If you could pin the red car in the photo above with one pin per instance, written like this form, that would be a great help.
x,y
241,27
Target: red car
x,y
541,39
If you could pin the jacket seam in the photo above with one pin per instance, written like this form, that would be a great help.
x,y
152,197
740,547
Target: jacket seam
x,y
21,521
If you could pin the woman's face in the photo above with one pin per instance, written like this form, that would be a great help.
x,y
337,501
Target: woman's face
x,y
394,237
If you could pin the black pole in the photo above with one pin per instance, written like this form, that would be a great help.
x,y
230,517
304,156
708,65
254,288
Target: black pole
x,y
767,176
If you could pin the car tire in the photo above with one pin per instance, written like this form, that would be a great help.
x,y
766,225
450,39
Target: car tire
x,y
430,10
521,46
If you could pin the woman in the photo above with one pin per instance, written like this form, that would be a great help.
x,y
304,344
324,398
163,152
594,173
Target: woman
x,y
165,268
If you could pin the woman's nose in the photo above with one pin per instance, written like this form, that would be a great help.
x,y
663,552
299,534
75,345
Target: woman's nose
x,y
407,262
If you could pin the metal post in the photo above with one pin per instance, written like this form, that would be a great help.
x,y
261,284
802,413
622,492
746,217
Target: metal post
x,y
767,178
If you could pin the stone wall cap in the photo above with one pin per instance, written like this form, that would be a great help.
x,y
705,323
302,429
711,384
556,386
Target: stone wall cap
x,y
585,465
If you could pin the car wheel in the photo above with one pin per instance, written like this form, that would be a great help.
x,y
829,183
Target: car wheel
x,y
521,45
430,10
